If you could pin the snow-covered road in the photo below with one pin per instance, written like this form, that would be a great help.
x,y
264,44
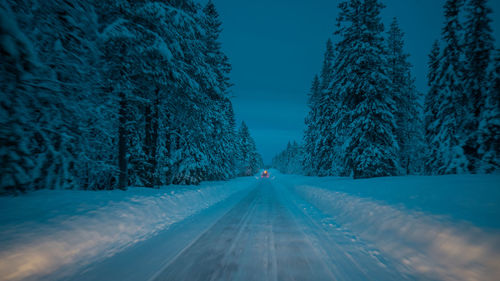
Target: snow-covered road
x,y
267,236
282,228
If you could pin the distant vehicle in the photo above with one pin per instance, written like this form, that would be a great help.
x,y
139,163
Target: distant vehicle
x,y
265,174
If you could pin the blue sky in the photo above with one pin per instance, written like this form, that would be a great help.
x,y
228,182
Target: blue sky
x,y
276,47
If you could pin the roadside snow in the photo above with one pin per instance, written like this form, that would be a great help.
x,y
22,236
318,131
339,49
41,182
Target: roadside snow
x,y
445,227
45,230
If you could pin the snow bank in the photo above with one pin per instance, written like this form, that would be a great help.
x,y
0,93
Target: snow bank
x,y
45,230
396,219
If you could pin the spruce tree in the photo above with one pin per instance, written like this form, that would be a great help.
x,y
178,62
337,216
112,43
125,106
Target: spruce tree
x,y
68,148
229,143
312,131
216,58
431,107
345,67
370,144
325,147
489,126
119,54
289,161
250,161
105,94
479,45
221,150
451,112
18,64
67,34
406,107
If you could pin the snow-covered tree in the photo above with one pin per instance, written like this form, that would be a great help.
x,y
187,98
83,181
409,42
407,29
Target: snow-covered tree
x,y
451,113
489,126
319,138
365,117
216,58
120,57
370,145
181,131
407,108
221,119
63,100
479,47
228,142
290,160
327,115
311,132
114,93
431,107
17,67
250,160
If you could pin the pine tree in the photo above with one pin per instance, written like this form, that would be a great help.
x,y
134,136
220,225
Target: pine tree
x,y
489,127
154,84
345,67
221,150
118,42
105,94
290,160
370,145
55,138
326,110
216,58
451,113
17,65
431,107
64,147
96,168
479,46
229,141
406,108
312,131
250,161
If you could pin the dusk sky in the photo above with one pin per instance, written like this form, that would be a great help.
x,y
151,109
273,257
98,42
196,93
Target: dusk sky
x,y
276,47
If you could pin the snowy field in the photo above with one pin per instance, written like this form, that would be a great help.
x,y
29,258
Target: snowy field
x,y
395,228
